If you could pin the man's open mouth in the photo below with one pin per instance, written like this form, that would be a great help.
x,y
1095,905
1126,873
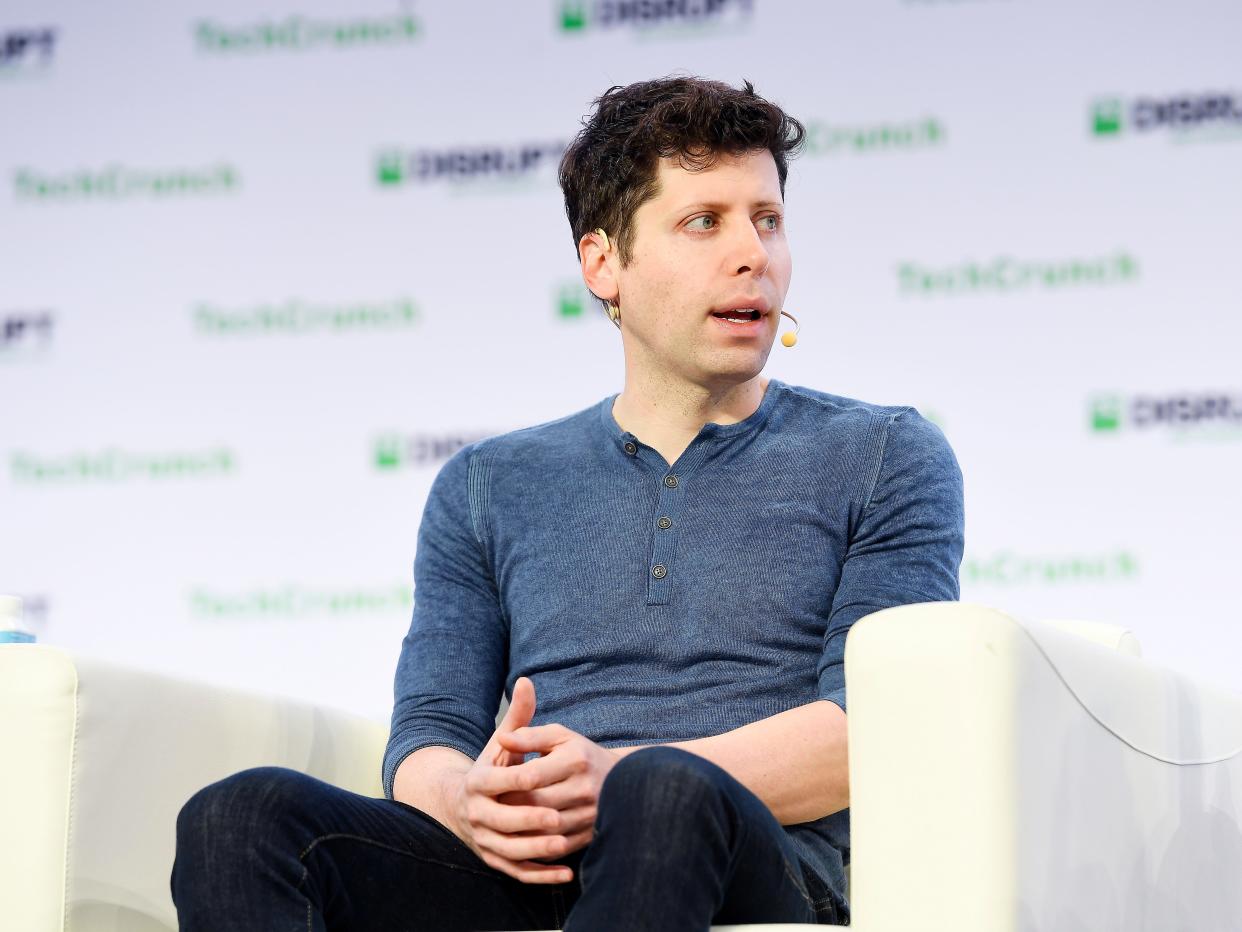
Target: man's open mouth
x,y
741,316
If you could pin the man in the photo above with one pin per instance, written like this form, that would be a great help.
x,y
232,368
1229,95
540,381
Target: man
x,y
663,583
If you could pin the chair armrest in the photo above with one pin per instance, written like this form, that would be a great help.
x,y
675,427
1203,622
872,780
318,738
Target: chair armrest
x,y
101,759
1008,775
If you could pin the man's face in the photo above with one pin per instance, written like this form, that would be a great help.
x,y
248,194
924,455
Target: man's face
x,y
709,271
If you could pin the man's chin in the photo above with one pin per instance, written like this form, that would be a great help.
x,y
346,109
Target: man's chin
x,y
734,367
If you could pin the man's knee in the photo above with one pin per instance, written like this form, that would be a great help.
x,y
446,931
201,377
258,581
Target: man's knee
x,y
247,805
663,782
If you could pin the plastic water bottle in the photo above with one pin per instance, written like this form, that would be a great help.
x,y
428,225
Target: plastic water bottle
x,y
11,621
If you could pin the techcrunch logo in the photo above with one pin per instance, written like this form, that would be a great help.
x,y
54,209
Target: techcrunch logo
x,y
573,301
393,451
1007,274
1007,568
113,465
466,163
1111,413
1113,116
299,33
298,316
24,50
294,600
577,16
24,331
826,139
118,182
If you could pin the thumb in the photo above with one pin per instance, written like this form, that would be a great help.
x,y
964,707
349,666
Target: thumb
x,y
521,706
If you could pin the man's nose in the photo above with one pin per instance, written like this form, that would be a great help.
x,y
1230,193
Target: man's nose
x,y
749,254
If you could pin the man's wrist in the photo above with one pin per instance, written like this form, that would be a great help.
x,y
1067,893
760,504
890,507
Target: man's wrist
x,y
450,787
431,780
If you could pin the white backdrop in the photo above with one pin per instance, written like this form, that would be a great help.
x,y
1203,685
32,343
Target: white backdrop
x,y
264,269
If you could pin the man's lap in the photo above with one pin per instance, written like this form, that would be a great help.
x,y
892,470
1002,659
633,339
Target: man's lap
x,y
366,863
377,863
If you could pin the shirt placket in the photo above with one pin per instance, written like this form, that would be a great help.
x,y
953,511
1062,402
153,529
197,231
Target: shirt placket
x,y
670,510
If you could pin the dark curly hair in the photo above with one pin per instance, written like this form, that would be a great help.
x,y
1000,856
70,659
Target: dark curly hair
x,y
609,170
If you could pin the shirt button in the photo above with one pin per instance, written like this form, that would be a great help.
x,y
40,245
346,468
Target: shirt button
x,y
664,524
630,447
670,481
659,571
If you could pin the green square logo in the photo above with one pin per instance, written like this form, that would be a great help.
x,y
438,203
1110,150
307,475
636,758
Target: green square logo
x,y
570,302
389,168
1106,413
388,452
573,16
1106,116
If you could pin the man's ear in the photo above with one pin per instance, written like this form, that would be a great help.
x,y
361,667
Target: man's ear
x,y
599,266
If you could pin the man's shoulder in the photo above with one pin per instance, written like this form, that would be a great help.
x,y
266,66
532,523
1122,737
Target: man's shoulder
x,y
870,430
840,411
551,440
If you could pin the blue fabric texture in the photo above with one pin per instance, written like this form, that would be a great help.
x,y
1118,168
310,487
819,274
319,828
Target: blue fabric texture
x,y
652,603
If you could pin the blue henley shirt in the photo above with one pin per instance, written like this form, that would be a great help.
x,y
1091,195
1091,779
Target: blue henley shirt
x,y
653,603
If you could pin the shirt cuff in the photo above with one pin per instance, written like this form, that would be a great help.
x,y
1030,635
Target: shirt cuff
x,y
400,749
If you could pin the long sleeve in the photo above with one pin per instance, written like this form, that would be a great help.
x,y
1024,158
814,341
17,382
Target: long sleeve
x,y
907,545
452,665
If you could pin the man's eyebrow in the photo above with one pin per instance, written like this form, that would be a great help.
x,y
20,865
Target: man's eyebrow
x,y
722,207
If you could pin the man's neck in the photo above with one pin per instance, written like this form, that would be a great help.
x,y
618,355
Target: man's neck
x,y
667,415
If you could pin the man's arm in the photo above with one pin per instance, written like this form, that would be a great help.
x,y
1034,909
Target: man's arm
x,y
905,547
795,761
449,679
451,670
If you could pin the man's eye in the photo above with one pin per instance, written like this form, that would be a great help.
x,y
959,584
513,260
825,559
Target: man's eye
x,y
770,223
706,222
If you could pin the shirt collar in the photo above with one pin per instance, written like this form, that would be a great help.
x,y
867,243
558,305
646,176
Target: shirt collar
x,y
711,430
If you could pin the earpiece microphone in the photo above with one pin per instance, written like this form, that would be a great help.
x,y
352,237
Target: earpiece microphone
x,y
790,338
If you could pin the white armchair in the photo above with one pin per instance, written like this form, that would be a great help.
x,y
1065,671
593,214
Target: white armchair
x,y
1004,776
1010,775
98,762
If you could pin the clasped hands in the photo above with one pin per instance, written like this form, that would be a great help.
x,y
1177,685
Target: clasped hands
x,y
516,814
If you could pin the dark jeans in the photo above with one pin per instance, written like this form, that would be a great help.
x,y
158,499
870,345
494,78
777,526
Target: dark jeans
x,y
678,844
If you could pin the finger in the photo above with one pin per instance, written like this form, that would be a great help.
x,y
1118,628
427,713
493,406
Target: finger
x,y
528,871
521,710
575,821
571,822
487,812
542,771
521,706
497,756
508,759
541,738
492,752
579,840
568,794
520,847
